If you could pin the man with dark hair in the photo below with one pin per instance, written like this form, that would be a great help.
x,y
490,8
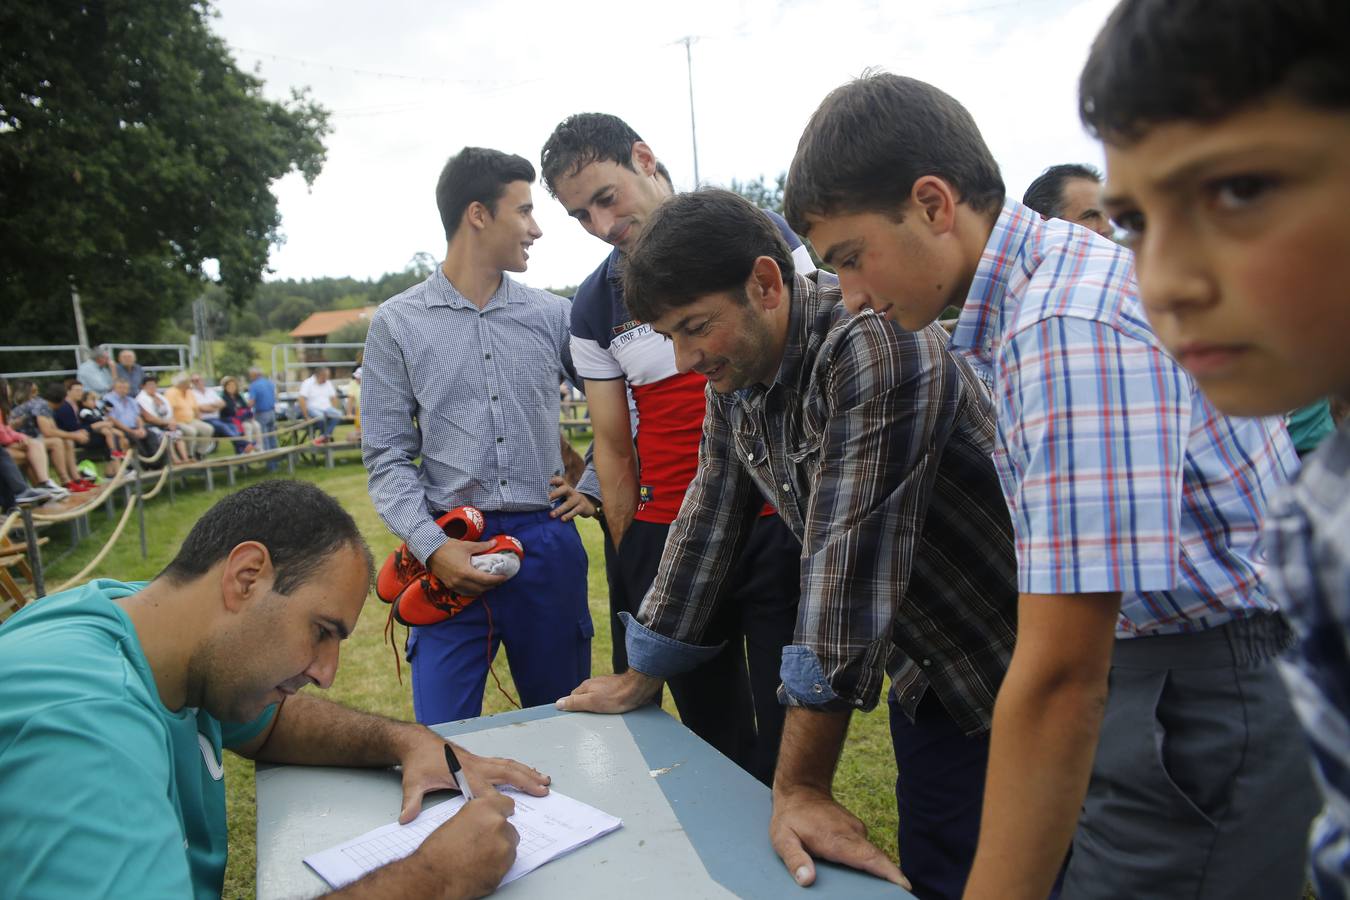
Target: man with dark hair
x,y
1231,187
1143,693
611,182
1071,192
116,699
873,442
462,371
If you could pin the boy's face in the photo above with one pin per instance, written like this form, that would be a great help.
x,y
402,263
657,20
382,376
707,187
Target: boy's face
x,y
897,269
1241,233
511,229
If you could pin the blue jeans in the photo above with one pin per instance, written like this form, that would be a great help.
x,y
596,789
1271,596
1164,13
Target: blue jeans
x,y
540,615
328,421
267,421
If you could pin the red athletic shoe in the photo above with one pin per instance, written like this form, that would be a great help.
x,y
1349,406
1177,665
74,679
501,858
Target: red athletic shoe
x,y
463,523
76,487
427,601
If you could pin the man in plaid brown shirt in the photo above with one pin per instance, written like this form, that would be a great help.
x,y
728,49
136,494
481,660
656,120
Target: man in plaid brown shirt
x,y
873,443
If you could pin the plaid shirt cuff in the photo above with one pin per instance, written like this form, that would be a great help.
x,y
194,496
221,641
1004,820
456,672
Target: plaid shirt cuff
x,y
660,656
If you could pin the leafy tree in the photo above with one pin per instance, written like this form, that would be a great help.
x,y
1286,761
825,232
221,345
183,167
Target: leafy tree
x,y
351,333
132,148
238,355
291,312
762,192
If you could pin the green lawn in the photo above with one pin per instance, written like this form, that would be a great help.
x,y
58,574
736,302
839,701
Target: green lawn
x,y
366,678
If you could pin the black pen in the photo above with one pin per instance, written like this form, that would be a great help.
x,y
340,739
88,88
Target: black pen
x,y
457,773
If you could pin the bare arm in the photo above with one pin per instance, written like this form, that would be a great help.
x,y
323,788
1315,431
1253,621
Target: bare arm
x,y
615,455
1046,722
807,821
309,730
48,427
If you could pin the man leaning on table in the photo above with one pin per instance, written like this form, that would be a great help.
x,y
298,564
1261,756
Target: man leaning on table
x,y
873,444
116,699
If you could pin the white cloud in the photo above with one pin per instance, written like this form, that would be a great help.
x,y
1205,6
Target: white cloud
x,y
503,75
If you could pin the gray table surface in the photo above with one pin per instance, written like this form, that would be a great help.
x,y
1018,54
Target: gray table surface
x,y
722,811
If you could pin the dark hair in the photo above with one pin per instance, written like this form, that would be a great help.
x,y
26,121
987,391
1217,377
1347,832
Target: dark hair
x,y
696,244
1046,193
299,524
476,174
872,138
149,376
1158,61
585,138
55,392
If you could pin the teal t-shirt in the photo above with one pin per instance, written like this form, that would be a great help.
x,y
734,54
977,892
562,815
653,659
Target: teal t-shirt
x,y
103,791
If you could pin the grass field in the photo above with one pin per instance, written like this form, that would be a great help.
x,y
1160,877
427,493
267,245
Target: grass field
x,y
366,678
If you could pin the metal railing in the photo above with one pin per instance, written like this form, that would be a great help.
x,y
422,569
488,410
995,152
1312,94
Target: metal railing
x,y
283,363
184,354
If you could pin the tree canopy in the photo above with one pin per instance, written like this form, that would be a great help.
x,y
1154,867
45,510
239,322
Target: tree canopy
x,y
133,149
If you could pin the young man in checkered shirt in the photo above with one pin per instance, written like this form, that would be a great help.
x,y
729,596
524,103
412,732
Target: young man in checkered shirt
x,y
1142,716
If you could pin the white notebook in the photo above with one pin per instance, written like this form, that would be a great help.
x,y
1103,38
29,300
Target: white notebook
x,y
549,826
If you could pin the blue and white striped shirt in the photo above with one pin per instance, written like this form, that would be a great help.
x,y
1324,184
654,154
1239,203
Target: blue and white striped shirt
x,y
473,393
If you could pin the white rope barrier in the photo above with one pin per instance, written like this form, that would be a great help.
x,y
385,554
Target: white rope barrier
x,y
107,548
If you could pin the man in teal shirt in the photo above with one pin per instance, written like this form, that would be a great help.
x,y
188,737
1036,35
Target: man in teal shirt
x,y
116,699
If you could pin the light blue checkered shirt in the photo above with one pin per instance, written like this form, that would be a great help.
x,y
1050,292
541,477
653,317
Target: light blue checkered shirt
x,y
473,393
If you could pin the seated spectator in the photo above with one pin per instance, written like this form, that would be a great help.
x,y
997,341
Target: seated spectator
x,y
209,406
318,400
157,415
96,372
238,413
34,417
186,417
128,368
27,452
91,417
90,444
124,413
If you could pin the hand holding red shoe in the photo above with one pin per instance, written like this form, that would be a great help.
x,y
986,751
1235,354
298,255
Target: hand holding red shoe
x,y
463,523
431,598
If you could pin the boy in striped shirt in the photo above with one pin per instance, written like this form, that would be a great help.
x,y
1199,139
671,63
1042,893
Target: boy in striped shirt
x,y
1142,716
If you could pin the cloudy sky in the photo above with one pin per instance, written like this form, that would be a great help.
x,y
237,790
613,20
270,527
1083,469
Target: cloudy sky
x,y
411,82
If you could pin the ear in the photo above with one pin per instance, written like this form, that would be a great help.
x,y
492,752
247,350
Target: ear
x,y
643,159
477,216
765,287
246,575
935,202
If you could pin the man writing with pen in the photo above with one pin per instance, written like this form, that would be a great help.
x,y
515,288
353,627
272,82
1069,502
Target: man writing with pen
x,y
116,699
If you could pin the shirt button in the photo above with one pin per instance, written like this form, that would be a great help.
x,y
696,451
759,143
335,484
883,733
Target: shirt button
x,y
503,482
494,398
487,356
819,689
927,662
500,439
787,487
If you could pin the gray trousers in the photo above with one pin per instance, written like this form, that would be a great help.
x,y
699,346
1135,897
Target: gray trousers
x,y
1201,786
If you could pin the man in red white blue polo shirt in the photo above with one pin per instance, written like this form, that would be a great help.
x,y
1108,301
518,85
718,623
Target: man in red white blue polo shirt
x,y
610,181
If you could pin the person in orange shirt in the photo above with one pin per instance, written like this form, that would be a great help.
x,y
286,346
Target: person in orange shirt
x,y
196,433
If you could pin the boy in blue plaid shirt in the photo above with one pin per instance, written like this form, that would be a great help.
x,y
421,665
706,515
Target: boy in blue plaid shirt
x,y
1227,133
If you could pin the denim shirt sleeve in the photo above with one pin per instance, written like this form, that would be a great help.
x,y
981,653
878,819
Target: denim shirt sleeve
x,y
660,656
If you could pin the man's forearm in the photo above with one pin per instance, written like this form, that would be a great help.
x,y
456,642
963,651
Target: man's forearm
x,y
618,475
810,748
317,732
